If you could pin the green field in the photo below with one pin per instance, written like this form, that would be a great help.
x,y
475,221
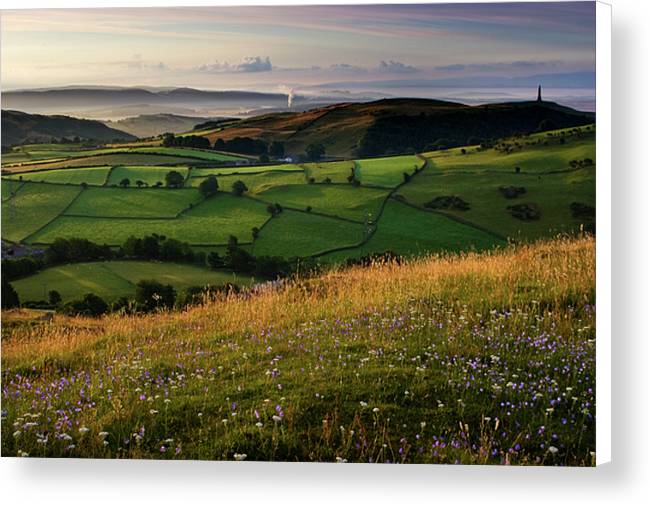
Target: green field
x,y
147,174
9,187
95,176
116,278
297,234
388,171
407,231
209,222
33,207
133,202
344,201
536,158
256,183
118,158
338,172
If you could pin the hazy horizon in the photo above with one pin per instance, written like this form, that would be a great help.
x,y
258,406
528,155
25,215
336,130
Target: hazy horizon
x,y
305,49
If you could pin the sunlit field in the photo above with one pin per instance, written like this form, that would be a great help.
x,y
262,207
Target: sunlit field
x,y
472,358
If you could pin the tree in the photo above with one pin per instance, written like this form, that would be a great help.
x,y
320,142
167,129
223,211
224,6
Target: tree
x,y
315,151
140,183
263,158
90,305
125,182
277,149
174,179
209,186
152,295
54,298
239,188
406,177
214,260
255,232
9,295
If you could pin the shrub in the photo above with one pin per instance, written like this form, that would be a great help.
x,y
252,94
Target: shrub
x,y
239,188
90,305
448,202
152,295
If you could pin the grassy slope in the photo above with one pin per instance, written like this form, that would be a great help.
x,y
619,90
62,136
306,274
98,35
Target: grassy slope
x,y
257,183
33,207
411,232
133,202
336,200
387,172
111,280
216,171
446,360
108,159
148,174
338,172
92,176
210,222
294,233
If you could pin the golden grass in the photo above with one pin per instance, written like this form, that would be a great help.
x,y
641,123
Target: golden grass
x,y
552,273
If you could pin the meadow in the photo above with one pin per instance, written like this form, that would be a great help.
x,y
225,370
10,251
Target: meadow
x,y
469,358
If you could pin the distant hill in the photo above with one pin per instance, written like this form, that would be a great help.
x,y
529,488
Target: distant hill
x,y
19,127
397,125
150,125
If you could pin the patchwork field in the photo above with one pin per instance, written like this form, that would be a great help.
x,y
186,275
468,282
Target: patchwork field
x,y
114,279
325,214
210,222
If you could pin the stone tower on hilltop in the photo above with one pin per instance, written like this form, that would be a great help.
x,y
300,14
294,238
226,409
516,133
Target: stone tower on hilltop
x,y
539,99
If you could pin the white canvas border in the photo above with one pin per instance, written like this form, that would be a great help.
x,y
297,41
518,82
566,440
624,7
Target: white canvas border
x,y
603,206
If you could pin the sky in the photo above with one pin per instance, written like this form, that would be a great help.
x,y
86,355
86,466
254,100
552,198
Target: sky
x,y
296,47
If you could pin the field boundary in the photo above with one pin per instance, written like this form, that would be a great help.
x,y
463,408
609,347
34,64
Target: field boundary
x,y
26,238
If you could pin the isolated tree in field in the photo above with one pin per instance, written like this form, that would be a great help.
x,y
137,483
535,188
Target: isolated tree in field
x,y
9,295
255,232
54,298
315,151
517,170
209,186
239,188
158,184
406,177
140,183
84,185
125,182
174,179
263,158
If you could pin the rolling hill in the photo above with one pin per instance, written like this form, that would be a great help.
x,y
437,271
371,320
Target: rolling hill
x,y
391,126
19,127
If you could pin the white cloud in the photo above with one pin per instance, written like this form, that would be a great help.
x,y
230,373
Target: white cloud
x,y
396,67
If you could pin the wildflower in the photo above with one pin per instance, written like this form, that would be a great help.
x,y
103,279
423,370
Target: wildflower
x,y
422,425
83,430
376,410
259,425
17,433
363,404
239,456
340,460
276,418
103,434
153,411
552,449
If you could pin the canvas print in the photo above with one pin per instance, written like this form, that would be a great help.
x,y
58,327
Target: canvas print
x,y
343,233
